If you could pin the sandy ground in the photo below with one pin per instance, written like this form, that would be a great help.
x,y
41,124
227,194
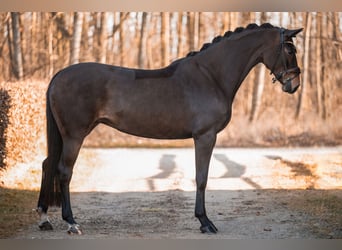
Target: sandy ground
x,y
149,193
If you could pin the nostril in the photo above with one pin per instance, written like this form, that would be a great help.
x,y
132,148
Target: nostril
x,y
295,88
289,87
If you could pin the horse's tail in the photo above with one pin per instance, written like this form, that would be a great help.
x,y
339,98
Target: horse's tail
x,y
50,193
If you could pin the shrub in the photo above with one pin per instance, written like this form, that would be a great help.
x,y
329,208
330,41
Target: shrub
x,y
22,115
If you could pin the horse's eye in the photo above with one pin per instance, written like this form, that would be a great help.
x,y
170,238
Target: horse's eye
x,y
290,49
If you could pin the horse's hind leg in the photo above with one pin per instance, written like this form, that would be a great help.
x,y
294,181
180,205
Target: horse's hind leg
x,y
70,152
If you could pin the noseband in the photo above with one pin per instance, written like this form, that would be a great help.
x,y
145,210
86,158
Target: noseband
x,y
280,75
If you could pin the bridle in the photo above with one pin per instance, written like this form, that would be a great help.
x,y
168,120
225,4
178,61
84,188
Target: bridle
x,y
281,75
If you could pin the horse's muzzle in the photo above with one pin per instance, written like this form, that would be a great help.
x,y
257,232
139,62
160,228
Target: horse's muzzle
x,y
291,86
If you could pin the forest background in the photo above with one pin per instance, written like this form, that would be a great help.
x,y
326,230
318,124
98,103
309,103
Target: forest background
x,y
36,45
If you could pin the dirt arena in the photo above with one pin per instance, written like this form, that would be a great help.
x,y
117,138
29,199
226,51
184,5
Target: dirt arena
x,y
149,193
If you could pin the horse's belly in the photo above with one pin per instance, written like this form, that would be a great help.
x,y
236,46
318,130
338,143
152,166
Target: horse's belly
x,y
155,130
151,124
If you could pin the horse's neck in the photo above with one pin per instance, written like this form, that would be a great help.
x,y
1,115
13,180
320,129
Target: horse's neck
x,y
234,60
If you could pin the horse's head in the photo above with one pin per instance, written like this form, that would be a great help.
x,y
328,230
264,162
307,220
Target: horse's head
x,y
283,62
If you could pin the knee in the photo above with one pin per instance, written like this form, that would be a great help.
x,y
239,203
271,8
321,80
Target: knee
x,y
64,173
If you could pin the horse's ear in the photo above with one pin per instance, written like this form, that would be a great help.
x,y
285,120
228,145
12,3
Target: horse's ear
x,y
292,33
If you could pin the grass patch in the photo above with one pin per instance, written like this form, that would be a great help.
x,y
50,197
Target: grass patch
x,y
330,205
325,212
16,211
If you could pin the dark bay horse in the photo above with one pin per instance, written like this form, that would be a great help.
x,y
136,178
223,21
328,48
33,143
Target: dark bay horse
x,y
191,98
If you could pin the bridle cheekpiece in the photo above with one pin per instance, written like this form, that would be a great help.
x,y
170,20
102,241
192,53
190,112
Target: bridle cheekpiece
x,y
281,75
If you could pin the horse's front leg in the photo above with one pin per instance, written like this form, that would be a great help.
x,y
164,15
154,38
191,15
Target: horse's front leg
x,y
204,145
65,168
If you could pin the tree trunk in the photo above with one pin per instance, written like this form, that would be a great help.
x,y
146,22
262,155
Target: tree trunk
x,y
319,75
180,35
142,39
303,98
234,21
258,84
63,36
85,40
9,43
165,38
332,72
226,22
119,18
33,36
244,18
191,31
103,38
122,49
336,26
196,29
76,38
17,65
258,89
50,47
151,61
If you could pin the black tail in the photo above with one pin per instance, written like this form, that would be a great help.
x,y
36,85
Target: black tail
x,y
50,190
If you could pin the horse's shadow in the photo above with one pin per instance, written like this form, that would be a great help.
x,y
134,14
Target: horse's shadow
x,y
235,170
168,166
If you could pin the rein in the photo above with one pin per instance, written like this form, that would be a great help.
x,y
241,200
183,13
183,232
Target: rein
x,y
279,76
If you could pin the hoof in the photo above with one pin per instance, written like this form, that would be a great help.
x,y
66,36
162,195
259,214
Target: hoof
x,y
208,230
74,229
45,226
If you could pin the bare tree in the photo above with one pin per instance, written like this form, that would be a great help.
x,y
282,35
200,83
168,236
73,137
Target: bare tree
x,y
196,29
50,42
76,38
151,62
191,30
234,20
303,98
319,75
103,38
86,40
17,65
245,18
122,40
226,22
258,84
118,21
180,35
62,34
142,40
165,38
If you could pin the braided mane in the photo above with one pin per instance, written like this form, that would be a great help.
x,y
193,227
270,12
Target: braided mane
x,y
228,34
169,70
